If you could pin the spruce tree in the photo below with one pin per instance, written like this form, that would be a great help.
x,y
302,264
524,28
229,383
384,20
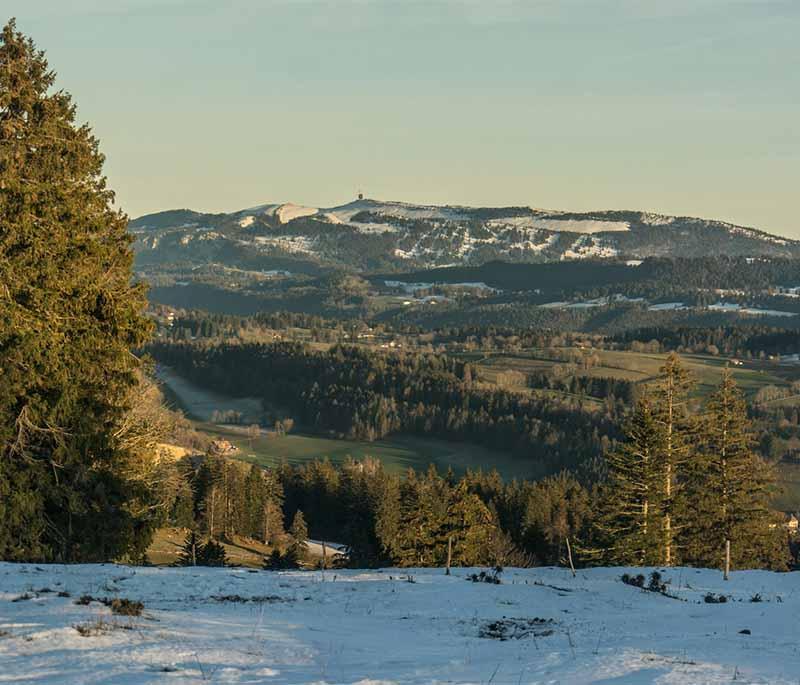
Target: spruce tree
x,y
212,554
262,500
298,532
631,522
69,318
422,530
471,526
728,489
191,550
278,562
670,408
182,514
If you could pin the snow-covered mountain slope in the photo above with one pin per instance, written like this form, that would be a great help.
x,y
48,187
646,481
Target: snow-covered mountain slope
x,y
538,626
370,234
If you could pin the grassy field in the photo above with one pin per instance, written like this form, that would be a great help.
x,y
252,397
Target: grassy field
x,y
642,367
397,454
167,546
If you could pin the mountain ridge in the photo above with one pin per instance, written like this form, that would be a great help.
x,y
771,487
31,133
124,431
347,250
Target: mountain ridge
x,y
368,234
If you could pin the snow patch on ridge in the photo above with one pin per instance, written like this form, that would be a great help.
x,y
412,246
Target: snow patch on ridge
x,y
561,225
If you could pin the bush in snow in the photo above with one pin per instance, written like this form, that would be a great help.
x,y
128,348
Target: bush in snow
x,y
492,576
126,607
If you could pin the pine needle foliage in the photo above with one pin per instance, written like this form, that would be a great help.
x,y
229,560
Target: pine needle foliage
x,y
631,521
679,486
69,317
730,489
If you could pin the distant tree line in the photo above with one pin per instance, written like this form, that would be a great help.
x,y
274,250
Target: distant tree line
x,y
746,342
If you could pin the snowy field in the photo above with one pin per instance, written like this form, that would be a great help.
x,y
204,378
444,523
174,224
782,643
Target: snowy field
x,y
538,626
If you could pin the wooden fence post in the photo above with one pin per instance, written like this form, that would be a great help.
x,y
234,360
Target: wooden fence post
x,y
727,558
569,556
449,554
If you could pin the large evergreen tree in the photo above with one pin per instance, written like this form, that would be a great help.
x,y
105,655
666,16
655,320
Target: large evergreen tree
x,y
69,317
298,534
670,405
471,527
631,521
422,529
728,487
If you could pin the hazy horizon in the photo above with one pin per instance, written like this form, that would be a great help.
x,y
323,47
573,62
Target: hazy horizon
x,y
688,108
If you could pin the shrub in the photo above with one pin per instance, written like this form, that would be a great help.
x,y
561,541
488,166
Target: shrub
x,y
196,553
212,554
126,607
635,581
280,562
656,584
98,627
492,577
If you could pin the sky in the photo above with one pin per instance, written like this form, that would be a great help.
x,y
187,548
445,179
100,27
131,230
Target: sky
x,y
687,107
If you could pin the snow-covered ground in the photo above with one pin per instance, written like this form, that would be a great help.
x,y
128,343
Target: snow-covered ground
x,y
202,404
755,311
242,626
565,225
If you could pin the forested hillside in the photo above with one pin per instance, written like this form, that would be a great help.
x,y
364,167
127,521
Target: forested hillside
x,y
362,394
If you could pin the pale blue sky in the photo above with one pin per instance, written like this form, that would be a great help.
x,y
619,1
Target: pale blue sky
x,y
677,106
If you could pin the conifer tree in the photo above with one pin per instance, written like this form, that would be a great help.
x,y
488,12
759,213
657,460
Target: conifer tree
x,y
212,553
365,489
631,519
298,532
279,562
191,551
729,490
422,527
254,501
210,484
182,514
197,553
471,526
670,408
262,500
69,318
555,508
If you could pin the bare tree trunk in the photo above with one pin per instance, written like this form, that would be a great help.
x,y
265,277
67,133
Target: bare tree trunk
x,y
449,554
226,529
727,558
213,508
569,556
668,485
